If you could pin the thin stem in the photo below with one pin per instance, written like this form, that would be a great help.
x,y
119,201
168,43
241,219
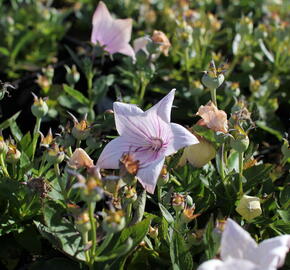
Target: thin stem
x,y
159,193
221,165
213,96
3,165
241,165
92,206
128,212
85,241
144,84
35,135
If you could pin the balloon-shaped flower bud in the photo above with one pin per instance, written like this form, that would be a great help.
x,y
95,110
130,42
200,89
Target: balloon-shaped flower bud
x,y
82,222
114,221
39,107
13,154
249,207
240,140
55,154
198,154
212,82
72,75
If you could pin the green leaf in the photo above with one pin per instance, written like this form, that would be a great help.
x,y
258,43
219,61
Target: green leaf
x,y
101,86
9,121
166,214
16,132
60,231
284,214
76,94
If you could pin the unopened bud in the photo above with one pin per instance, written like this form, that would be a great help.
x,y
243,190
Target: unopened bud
x,y
153,232
39,107
240,143
55,155
249,207
13,154
178,202
163,177
114,221
82,222
212,82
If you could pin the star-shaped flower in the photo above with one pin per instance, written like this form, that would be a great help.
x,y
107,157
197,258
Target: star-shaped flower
x,y
148,137
113,34
240,251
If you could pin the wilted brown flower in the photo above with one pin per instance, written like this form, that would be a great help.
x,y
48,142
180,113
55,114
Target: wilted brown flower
x,y
213,118
80,159
161,38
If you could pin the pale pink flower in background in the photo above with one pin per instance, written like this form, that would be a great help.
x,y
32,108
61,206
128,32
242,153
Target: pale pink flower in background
x,y
80,159
213,118
148,137
113,34
239,251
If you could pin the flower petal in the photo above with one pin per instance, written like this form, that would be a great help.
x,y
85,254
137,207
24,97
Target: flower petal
x,y
236,242
80,159
163,107
272,252
211,265
149,174
120,33
111,154
181,138
229,264
126,49
140,127
102,22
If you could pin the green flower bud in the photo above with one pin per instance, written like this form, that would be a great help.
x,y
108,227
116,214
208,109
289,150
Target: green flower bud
x,y
13,154
93,191
130,194
82,222
163,177
72,76
80,130
114,221
55,155
212,82
249,207
39,108
240,143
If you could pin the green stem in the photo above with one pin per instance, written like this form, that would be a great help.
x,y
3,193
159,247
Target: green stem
x,y
3,165
92,206
213,96
241,165
159,193
187,66
144,84
14,172
221,153
85,242
128,212
35,135
78,144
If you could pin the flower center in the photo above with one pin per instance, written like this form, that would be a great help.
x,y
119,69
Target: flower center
x,y
156,144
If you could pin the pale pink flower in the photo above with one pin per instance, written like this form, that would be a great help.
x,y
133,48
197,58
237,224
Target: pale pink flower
x,y
80,159
113,34
213,118
240,251
148,137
